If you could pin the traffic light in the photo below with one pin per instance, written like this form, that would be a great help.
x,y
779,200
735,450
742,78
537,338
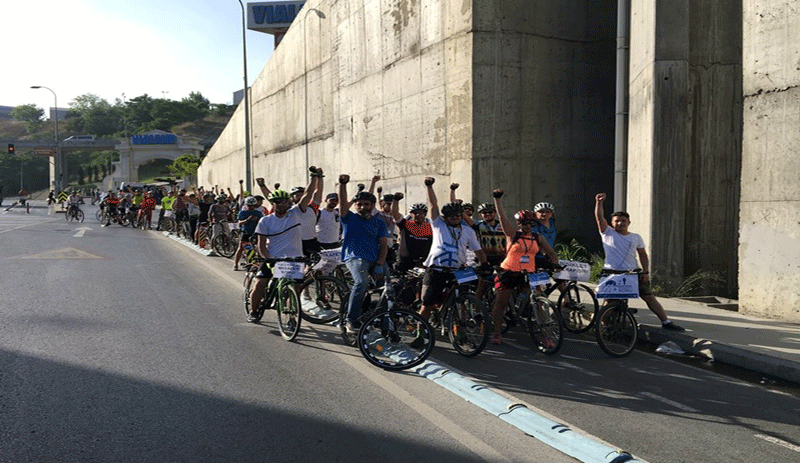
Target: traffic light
x,y
10,148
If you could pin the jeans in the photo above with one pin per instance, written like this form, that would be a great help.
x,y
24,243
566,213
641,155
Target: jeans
x,y
359,269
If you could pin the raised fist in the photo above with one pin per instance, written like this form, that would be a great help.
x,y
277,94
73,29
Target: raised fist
x,y
380,190
454,186
429,181
312,169
361,187
399,196
498,193
277,185
376,178
260,181
600,197
344,178
241,181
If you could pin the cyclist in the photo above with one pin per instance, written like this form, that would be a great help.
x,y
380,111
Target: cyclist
x,y
180,209
111,203
248,219
146,209
416,235
364,247
329,224
522,245
218,215
492,239
618,246
278,235
308,221
545,225
166,205
72,202
452,237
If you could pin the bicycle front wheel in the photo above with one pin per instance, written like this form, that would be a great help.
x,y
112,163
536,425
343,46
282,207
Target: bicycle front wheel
x,y
616,331
288,312
322,298
396,340
545,326
468,324
224,246
79,215
578,308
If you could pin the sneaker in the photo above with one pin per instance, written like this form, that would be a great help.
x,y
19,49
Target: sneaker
x,y
496,339
235,268
671,326
351,328
252,317
417,342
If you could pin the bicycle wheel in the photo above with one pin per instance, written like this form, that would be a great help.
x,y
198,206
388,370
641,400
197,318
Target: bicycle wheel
x,y
545,326
288,312
396,339
368,307
99,215
223,245
322,298
468,325
79,215
616,331
68,215
106,219
578,308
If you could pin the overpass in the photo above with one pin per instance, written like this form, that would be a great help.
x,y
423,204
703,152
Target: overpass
x,y
133,152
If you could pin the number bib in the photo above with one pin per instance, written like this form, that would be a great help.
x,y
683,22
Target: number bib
x,y
290,270
618,287
465,276
538,279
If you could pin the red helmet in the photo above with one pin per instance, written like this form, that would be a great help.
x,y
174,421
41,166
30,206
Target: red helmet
x,y
525,216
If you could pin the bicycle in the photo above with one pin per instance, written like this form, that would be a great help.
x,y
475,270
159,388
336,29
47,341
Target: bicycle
x,y
537,314
224,242
74,213
393,338
463,317
616,329
322,297
281,294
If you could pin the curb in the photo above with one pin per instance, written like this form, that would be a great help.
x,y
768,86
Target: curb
x,y
719,352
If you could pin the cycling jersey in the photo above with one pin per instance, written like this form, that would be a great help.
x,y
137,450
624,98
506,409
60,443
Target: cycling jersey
x,y
450,244
167,202
417,238
521,254
492,239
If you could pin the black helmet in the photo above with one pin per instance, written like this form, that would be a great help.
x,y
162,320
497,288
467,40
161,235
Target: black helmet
x,y
452,209
486,207
365,196
297,189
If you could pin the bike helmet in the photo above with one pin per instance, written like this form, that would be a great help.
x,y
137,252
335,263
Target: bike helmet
x,y
251,201
452,209
365,196
221,198
525,216
297,189
486,207
278,195
418,207
544,207
468,206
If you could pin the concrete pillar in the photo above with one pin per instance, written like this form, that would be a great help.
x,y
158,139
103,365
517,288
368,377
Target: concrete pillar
x,y
769,228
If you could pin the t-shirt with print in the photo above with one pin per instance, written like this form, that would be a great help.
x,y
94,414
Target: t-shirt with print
x,y
492,239
450,244
417,238
283,234
620,250
249,227
328,226
362,237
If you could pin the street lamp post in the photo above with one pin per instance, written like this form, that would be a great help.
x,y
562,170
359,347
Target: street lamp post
x,y
60,165
320,15
247,160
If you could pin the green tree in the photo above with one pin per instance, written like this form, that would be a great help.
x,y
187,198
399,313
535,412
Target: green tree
x,y
185,166
196,106
30,114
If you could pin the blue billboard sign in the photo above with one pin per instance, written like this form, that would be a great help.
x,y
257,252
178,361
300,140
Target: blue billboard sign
x,y
272,16
154,139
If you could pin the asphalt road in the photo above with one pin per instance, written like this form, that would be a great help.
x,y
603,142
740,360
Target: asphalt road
x,y
123,345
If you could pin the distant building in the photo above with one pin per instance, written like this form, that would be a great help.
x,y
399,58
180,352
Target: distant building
x,y
5,113
62,113
237,97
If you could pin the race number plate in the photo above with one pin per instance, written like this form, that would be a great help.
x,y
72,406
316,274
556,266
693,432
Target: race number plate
x,y
464,276
538,279
291,270
618,287
573,271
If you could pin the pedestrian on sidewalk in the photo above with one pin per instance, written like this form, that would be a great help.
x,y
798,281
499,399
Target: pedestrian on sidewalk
x,y
621,248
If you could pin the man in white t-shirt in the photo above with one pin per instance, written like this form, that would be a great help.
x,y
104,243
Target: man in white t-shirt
x,y
277,235
621,248
452,237
329,224
308,220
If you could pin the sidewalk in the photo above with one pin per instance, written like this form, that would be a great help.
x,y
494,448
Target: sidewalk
x,y
767,346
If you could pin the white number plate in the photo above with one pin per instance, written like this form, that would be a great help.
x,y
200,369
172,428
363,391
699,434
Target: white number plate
x,y
466,275
573,271
618,287
291,270
538,279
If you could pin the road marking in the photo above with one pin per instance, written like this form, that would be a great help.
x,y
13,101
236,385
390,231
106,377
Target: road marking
x,y
81,232
65,253
576,367
780,442
677,405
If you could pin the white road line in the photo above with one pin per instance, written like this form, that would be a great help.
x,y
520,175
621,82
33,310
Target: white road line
x,y
677,405
576,367
780,442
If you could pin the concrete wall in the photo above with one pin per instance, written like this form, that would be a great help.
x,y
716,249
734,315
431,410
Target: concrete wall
x,y
685,126
769,231
486,93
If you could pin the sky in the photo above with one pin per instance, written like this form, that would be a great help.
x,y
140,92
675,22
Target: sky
x,y
165,48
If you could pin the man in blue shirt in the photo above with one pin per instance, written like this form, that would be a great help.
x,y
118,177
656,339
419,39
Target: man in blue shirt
x,y
248,219
364,247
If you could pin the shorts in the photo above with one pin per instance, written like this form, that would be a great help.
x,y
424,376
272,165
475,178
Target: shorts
x,y
405,264
330,245
246,237
495,260
433,285
310,247
264,271
180,216
508,280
